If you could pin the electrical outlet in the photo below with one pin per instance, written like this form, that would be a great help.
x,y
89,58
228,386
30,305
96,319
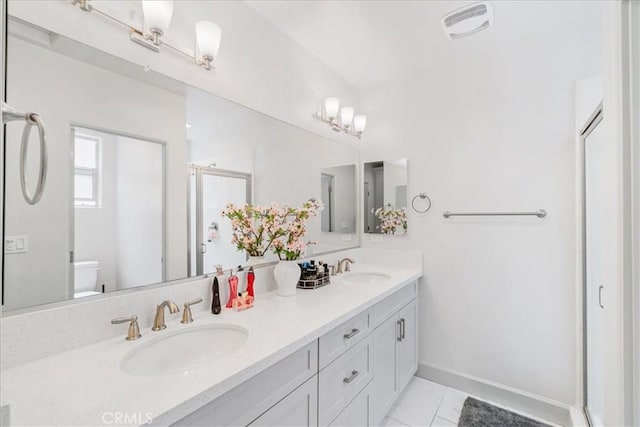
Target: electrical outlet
x,y
16,244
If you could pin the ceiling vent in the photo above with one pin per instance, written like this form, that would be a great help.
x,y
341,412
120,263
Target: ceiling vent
x,y
467,20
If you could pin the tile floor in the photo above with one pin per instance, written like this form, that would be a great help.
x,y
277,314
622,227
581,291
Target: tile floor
x,y
425,403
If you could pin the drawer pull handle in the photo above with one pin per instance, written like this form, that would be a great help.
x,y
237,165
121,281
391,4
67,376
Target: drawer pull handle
x,y
351,334
398,330
402,324
353,376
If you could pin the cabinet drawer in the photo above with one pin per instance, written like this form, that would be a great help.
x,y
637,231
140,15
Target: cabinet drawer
x,y
390,305
343,379
252,398
358,413
299,409
337,341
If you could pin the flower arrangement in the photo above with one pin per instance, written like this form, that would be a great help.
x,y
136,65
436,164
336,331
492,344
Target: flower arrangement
x,y
256,229
289,244
391,219
252,227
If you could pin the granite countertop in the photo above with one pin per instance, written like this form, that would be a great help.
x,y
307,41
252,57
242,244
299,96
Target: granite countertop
x,y
77,387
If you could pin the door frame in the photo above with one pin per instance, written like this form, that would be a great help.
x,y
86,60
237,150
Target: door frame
x,y
331,200
594,120
163,145
200,171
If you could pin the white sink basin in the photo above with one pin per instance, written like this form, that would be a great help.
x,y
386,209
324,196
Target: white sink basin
x,y
184,351
364,277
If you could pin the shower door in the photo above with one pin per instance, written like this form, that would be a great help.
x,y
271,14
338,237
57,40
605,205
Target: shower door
x,y
598,233
210,234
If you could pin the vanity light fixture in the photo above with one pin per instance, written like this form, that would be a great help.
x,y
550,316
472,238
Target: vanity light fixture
x,y
157,18
342,119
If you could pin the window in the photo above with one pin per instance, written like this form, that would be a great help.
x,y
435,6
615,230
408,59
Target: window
x,y
87,170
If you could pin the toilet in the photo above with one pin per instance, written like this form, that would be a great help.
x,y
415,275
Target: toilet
x,y
86,278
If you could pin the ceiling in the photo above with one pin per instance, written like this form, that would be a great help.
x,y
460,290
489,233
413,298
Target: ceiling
x,y
370,42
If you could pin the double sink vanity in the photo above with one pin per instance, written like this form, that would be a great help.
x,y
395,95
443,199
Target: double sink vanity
x,y
337,355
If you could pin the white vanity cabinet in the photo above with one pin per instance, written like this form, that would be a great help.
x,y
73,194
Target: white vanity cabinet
x,y
300,408
266,395
359,413
395,356
349,376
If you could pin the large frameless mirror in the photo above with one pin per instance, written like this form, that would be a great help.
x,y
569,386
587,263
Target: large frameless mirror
x,y
140,168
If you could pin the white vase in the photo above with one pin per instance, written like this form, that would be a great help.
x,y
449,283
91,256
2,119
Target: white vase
x,y
287,274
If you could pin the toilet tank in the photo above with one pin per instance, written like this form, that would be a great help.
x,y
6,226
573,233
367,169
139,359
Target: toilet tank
x,y
86,275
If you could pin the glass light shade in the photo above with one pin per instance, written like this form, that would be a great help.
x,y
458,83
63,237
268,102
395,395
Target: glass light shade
x,y
359,122
331,106
208,36
157,14
346,116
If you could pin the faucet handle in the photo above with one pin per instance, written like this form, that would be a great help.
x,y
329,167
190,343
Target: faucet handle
x,y
186,313
332,270
134,329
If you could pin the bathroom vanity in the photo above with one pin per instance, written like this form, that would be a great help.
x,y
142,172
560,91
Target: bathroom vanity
x,y
350,375
340,354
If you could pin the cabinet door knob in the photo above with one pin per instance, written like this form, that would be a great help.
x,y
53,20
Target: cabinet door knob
x,y
353,376
351,334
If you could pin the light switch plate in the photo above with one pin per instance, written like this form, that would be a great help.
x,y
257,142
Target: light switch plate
x,y
347,237
16,244
377,238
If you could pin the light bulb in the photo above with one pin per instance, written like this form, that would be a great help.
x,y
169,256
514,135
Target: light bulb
x,y
359,122
346,116
331,106
157,14
208,36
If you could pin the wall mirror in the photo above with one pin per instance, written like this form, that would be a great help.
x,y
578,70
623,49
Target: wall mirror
x,y
385,197
339,194
140,166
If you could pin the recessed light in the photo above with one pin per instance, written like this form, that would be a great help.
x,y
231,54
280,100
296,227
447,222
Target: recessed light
x,y
188,125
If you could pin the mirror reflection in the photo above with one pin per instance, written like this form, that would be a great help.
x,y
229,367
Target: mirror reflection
x,y
338,191
385,197
119,201
140,168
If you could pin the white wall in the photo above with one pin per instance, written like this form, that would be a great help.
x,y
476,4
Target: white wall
x,y
139,218
73,96
492,129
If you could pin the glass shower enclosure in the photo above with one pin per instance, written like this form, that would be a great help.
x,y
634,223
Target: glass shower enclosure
x,y
209,233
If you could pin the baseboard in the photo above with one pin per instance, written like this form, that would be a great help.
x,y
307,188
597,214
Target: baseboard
x,y
578,418
500,394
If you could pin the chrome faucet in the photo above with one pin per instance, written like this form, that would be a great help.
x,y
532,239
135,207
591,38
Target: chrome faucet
x,y
158,322
343,266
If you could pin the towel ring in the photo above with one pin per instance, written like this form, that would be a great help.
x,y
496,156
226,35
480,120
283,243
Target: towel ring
x,y
422,196
31,120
